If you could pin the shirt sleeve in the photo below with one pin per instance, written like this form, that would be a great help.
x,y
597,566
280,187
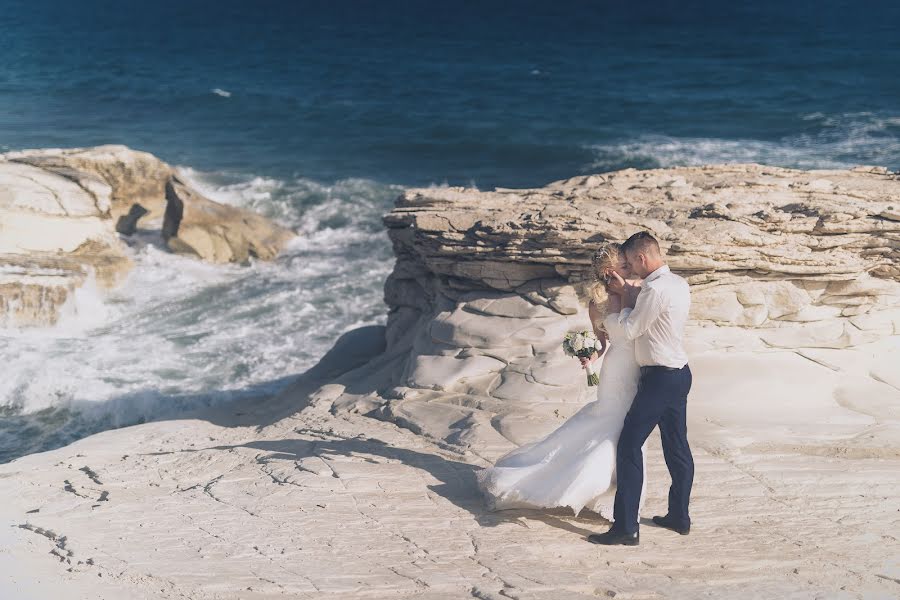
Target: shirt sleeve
x,y
636,321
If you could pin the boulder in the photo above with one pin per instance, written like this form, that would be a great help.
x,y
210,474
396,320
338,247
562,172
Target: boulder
x,y
135,178
54,236
215,232
61,213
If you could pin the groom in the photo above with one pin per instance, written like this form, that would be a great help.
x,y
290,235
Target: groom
x,y
654,316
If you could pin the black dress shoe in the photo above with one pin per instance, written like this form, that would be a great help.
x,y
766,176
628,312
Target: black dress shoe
x,y
615,538
668,523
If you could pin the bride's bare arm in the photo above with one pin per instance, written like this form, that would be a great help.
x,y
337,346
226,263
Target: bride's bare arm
x,y
614,304
595,315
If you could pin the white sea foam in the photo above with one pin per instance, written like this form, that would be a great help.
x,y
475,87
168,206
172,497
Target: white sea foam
x,y
84,309
841,141
221,92
180,333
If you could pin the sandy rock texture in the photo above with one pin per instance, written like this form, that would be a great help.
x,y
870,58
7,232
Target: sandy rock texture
x,y
134,177
62,213
55,230
359,479
486,283
215,232
794,498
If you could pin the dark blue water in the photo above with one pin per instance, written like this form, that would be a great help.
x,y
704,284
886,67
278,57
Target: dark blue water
x,y
491,93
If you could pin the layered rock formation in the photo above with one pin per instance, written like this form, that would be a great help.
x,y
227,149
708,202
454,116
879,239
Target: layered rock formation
x,y
134,177
487,283
55,230
797,446
60,211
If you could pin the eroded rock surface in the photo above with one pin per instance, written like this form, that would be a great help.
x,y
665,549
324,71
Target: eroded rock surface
x,y
487,283
54,232
797,447
792,499
215,232
60,211
134,177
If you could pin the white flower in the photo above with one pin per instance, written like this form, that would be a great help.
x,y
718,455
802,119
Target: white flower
x,y
578,343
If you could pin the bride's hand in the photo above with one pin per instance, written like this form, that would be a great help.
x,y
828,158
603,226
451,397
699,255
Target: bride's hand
x,y
586,361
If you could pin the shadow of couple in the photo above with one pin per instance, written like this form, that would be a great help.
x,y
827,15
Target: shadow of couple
x,y
457,479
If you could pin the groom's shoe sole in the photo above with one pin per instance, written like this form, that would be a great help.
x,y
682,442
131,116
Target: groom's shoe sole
x,y
665,523
612,538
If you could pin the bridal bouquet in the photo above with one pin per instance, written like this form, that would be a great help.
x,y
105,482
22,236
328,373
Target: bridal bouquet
x,y
583,344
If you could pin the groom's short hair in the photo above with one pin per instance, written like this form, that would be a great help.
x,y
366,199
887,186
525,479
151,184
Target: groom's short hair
x,y
643,243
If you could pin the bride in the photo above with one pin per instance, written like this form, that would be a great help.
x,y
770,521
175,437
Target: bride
x,y
574,466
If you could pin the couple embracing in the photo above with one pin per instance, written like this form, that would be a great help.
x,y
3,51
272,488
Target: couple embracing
x,y
595,460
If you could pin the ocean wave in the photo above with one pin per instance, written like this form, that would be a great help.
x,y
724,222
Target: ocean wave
x,y
838,141
181,334
298,202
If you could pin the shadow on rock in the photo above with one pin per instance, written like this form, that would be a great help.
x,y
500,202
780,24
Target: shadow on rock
x,y
457,479
458,482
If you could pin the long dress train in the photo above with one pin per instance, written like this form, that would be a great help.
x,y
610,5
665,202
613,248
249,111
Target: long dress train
x,y
574,465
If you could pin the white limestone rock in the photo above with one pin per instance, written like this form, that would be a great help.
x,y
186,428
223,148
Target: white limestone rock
x,y
61,213
55,234
197,226
777,259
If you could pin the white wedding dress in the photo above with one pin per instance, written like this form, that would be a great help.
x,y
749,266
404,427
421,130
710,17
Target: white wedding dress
x,y
574,465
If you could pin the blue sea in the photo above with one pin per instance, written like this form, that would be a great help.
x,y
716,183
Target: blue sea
x,y
318,114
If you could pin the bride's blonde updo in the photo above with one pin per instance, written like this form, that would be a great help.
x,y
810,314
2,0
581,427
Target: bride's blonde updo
x,y
607,256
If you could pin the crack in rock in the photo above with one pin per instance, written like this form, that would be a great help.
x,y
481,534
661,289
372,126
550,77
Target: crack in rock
x,y
104,495
53,193
506,586
420,584
60,551
207,489
91,475
71,489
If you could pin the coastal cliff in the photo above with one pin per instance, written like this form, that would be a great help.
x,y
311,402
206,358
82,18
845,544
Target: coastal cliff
x,y
63,215
360,477
486,283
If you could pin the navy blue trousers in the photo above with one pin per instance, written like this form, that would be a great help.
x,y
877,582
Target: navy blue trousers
x,y
661,400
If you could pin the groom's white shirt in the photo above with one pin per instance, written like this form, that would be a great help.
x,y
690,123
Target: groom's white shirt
x,y
656,323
